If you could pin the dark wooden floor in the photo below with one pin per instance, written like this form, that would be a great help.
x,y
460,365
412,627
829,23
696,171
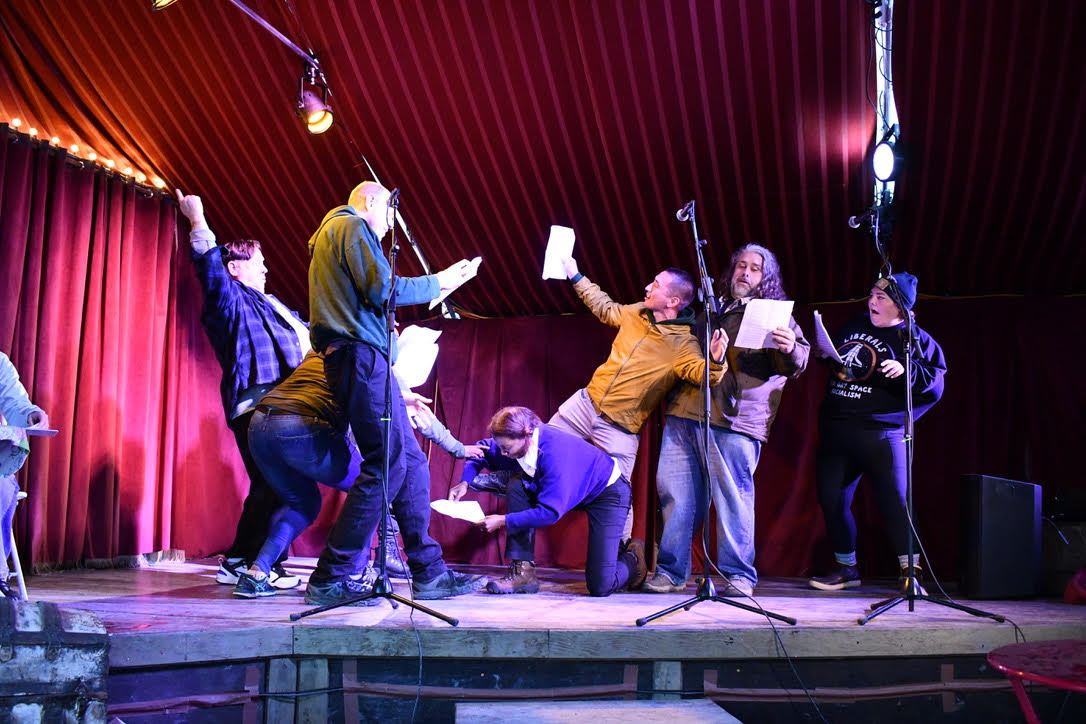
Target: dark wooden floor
x,y
173,613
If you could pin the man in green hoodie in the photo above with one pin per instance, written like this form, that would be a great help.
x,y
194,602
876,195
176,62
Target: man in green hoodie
x,y
349,284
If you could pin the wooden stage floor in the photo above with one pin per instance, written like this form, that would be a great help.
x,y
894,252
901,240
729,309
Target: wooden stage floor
x,y
175,613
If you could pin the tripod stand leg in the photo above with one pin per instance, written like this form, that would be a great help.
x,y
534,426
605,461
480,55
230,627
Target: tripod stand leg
x,y
686,605
707,592
949,604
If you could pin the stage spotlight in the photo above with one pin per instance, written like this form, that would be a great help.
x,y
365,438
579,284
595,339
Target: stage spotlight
x,y
314,108
316,113
160,4
886,159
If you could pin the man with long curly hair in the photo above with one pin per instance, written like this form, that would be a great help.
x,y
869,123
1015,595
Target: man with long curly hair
x,y
743,408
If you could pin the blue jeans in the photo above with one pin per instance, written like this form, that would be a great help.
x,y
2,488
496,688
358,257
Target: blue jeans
x,y
681,490
260,503
605,570
356,372
294,453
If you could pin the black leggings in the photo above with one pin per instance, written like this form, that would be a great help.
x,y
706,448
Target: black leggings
x,y
846,452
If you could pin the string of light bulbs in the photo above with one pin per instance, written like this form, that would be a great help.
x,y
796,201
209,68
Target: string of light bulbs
x,y
87,155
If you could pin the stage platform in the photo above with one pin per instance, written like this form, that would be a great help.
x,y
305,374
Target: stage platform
x,y
178,641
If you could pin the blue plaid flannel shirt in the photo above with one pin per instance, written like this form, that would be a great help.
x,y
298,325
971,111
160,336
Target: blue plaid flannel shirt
x,y
253,343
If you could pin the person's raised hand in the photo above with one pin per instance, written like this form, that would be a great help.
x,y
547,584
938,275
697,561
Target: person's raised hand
x,y
570,265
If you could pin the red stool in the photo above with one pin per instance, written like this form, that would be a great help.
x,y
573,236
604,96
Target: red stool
x,y
1059,664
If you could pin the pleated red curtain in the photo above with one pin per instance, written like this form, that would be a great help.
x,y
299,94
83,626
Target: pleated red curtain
x,y
100,315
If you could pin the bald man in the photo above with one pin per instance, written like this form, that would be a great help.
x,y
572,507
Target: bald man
x,y
349,285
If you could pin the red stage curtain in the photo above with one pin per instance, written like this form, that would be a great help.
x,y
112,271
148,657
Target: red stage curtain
x,y
100,316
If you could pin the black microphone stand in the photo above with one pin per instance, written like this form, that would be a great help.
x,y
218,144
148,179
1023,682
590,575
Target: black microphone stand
x,y
706,589
912,585
382,584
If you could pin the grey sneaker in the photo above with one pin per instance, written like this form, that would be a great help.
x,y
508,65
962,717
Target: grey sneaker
x,y
660,583
323,594
448,584
737,588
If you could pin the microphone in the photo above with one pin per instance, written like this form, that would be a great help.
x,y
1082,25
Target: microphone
x,y
394,197
855,222
685,212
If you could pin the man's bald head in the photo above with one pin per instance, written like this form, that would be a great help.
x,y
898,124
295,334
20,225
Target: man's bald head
x,y
364,191
370,200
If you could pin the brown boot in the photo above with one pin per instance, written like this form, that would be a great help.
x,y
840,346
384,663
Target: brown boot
x,y
521,579
640,570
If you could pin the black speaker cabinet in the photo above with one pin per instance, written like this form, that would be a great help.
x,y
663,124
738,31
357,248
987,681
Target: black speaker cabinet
x,y
1001,538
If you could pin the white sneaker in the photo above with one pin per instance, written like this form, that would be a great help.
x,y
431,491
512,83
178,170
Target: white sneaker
x,y
229,569
281,578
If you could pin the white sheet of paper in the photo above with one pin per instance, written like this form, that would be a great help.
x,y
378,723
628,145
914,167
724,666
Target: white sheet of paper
x,y
468,510
559,247
823,343
472,271
760,318
414,334
418,353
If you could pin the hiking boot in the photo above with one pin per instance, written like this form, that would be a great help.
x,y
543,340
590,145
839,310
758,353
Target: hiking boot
x,y
737,588
253,587
281,578
229,568
323,594
521,579
660,583
395,565
843,577
911,576
640,569
448,584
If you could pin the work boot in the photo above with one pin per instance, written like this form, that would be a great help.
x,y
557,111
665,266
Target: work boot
x,y
911,576
395,565
639,571
521,579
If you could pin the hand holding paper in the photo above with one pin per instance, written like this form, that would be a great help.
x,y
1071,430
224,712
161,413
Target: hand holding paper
x,y
454,277
559,247
760,318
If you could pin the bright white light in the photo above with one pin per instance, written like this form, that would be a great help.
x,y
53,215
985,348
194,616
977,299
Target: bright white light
x,y
882,161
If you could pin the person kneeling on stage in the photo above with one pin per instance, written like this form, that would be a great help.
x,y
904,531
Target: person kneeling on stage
x,y
862,425
562,472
